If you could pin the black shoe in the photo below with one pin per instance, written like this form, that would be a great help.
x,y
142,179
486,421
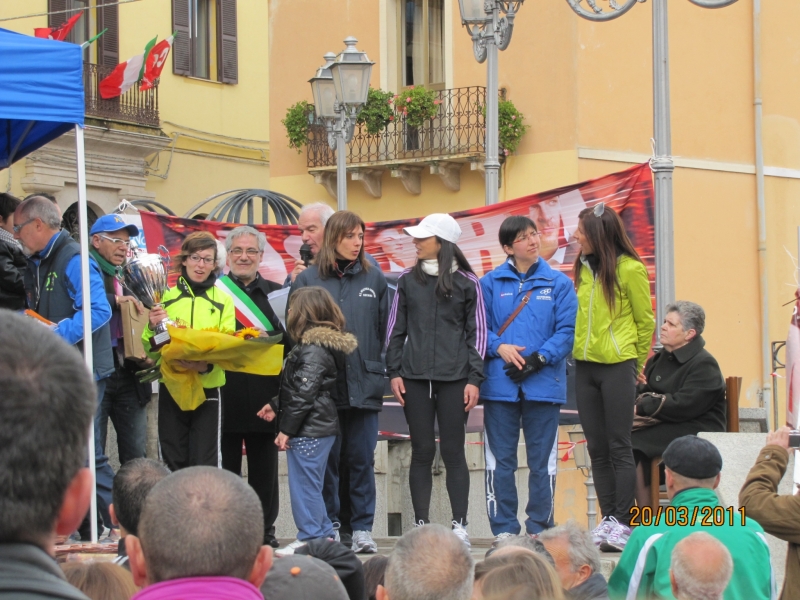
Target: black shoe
x,y
346,538
270,540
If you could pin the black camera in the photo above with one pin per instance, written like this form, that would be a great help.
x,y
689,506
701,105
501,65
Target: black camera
x,y
794,438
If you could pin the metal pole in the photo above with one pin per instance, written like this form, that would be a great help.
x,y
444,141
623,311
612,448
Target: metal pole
x,y
86,300
492,164
591,500
662,164
341,164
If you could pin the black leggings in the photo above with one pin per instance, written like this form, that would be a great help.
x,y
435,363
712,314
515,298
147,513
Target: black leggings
x,y
605,395
427,401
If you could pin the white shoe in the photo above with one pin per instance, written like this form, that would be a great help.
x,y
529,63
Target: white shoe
x,y
617,538
289,549
600,533
363,542
336,537
461,531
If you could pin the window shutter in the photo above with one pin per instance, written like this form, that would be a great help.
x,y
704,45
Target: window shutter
x,y
182,44
61,17
108,44
228,44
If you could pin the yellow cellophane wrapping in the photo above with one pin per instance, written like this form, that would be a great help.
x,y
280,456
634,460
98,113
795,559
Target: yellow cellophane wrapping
x,y
223,350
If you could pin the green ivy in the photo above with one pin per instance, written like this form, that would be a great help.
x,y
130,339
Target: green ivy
x,y
377,112
417,105
297,124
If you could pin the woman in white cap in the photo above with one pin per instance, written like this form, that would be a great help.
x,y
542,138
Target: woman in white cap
x,y
436,342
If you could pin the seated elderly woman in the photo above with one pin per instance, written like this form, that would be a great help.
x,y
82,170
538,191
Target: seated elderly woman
x,y
684,392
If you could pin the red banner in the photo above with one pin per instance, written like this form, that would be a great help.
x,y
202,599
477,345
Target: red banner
x,y
629,192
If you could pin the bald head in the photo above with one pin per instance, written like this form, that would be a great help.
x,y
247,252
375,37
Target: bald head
x,y
701,568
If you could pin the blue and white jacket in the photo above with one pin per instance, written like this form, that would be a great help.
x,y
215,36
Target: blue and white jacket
x,y
546,325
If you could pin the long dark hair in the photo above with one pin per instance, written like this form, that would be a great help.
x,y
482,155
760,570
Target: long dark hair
x,y
339,225
444,283
608,239
312,306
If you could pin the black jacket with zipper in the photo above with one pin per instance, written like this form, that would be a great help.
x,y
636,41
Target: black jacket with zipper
x,y
434,339
12,282
306,405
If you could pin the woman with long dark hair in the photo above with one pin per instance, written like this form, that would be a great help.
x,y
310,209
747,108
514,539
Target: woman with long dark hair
x,y
436,344
613,332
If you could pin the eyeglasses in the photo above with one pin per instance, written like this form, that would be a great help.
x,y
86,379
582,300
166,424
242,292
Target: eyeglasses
x,y
208,260
18,228
529,237
116,241
251,252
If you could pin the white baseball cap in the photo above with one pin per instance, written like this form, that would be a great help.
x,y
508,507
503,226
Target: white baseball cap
x,y
439,224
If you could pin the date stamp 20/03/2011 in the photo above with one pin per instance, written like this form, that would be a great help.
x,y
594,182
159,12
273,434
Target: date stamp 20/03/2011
x,y
705,516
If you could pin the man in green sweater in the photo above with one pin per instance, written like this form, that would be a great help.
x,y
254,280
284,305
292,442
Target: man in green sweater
x,y
693,468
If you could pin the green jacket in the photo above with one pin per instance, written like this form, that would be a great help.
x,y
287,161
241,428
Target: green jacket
x,y
213,308
607,338
643,569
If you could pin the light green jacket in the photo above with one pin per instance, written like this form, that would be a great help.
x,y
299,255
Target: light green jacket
x,y
607,338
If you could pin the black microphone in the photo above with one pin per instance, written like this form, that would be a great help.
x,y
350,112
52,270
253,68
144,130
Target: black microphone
x,y
305,254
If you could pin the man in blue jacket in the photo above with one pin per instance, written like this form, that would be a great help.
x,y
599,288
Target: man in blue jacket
x,y
531,319
53,288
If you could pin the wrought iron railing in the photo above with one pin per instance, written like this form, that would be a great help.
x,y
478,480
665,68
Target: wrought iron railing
x,y
133,106
457,129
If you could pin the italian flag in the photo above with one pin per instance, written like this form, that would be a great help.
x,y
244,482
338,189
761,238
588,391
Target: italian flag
x,y
126,75
155,63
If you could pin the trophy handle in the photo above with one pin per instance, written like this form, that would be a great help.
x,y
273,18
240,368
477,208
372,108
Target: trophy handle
x,y
164,254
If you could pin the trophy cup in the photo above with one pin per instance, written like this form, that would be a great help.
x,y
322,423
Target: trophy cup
x,y
145,275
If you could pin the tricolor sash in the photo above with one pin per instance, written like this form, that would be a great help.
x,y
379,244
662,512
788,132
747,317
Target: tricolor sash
x,y
247,313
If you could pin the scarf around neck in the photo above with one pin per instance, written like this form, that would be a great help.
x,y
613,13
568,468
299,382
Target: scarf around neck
x,y
9,239
105,266
431,267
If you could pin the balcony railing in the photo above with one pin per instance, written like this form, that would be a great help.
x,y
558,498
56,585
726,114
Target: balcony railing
x,y
456,131
133,106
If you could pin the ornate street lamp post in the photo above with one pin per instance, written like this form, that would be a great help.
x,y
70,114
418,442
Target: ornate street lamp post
x,y
340,88
662,163
490,24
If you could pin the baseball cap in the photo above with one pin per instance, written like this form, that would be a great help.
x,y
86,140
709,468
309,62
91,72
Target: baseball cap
x,y
440,224
108,223
693,457
302,578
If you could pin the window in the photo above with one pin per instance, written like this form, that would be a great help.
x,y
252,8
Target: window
x,y
107,46
205,44
422,43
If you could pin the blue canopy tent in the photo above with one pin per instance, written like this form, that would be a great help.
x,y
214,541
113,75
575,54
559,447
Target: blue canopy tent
x,y
41,98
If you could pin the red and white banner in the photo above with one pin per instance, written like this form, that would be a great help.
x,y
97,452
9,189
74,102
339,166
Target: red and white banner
x,y
629,192
154,63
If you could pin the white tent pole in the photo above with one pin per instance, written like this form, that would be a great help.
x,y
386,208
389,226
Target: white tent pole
x,y
86,301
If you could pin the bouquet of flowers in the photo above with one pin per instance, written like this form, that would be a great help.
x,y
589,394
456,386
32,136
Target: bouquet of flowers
x,y
245,351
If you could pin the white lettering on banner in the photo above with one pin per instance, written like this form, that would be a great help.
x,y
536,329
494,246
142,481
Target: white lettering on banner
x,y
367,293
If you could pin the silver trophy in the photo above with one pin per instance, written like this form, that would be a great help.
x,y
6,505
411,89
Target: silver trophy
x,y
145,276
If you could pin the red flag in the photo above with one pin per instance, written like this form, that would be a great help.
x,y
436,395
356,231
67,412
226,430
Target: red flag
x,y
59,33
155,63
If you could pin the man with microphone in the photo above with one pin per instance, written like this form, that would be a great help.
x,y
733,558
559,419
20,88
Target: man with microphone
x,y
311,223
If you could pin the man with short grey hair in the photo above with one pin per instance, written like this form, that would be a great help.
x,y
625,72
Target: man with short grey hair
x,y
428,563
701,568
200,536
577,561
240,423
312,221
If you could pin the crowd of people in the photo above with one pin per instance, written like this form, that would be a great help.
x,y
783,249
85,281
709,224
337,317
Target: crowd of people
x,y
188,526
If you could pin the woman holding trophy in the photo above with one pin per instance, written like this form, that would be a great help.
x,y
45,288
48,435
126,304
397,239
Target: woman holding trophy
x,y
192,437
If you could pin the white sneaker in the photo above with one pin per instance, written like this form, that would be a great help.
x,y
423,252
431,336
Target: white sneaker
x,y
290,548
461,531
600,533
617,538
336,537
363,542
420,523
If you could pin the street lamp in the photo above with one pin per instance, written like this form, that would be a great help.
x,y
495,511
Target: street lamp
x,y
340,88
661,164
490,24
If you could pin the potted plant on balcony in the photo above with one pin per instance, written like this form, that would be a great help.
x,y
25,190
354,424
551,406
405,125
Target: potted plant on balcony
x,y
417,106
297,124
377,112
511,124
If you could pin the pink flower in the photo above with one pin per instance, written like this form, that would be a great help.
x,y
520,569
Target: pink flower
x,y
437,102
408,99
390,100
505,152
391,118
513,117
396,96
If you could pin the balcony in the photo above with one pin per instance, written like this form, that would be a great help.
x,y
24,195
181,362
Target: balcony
x,y
453,138
133,106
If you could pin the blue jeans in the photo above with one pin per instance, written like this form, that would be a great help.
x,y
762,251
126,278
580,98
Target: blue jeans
x,y
104,474
121,403
307,458
355,447
501,422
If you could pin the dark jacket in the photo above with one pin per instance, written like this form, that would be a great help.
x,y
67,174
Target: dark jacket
x,y
12,284
695,389
344,561
778,515
433,339
249,393
594,588
28,573
306,406
363,297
